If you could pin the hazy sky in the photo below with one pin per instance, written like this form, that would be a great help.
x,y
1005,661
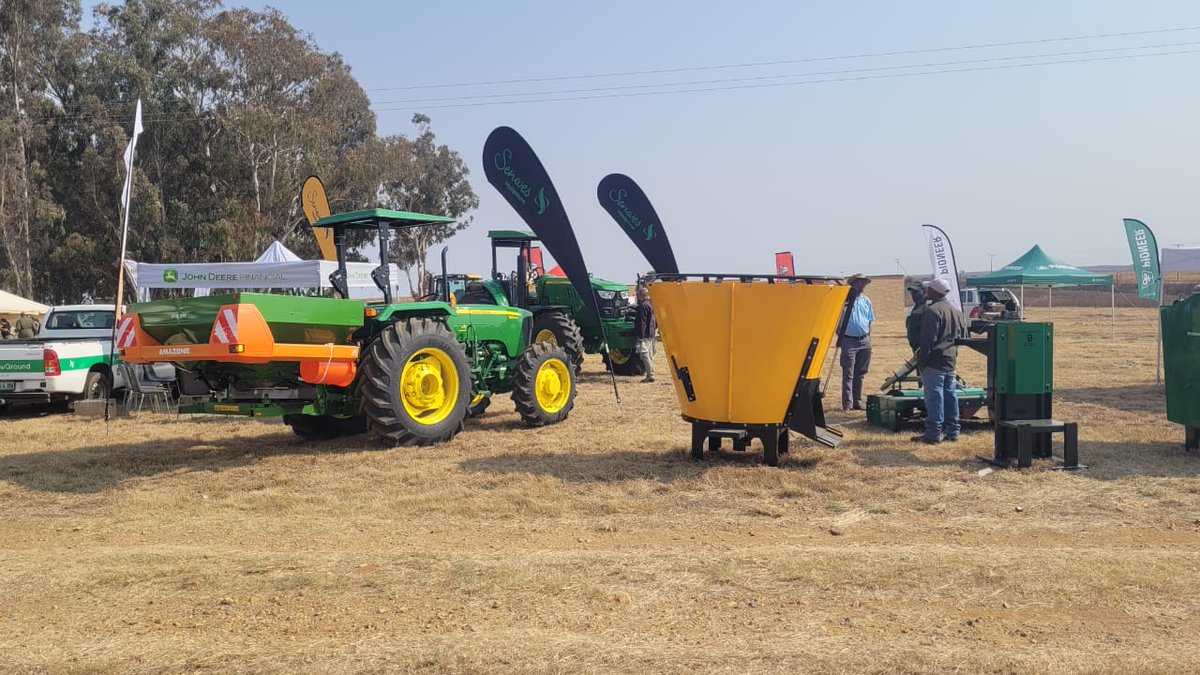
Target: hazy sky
x,y
841,173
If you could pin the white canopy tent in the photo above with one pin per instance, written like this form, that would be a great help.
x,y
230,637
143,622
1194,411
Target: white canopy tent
x,y
11,306
277,267
277,252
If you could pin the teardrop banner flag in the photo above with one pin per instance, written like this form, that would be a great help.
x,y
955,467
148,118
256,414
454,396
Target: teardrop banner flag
x,y
316,207
628,205
784,265
941,257
512,167
1144,249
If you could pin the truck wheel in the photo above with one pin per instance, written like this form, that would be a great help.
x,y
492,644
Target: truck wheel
x,y
559,329
97,385
320,428
478,405
544,385
624,362
415,383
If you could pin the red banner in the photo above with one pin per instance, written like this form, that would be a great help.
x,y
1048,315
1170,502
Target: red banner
x,y
535,259
783,264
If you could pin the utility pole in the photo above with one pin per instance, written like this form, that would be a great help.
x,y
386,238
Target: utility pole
x,y
991,262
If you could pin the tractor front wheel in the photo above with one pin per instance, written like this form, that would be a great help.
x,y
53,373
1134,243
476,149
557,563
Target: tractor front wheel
x,y
544,386
478,405
415,383
559,329
625,362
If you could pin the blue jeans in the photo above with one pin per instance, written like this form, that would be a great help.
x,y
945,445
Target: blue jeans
x,y
941,404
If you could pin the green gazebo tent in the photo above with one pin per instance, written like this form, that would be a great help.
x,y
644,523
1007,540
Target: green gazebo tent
x,y
1037,268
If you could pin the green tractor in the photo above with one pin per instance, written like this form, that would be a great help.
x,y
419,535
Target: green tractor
x,y
410,372
558,312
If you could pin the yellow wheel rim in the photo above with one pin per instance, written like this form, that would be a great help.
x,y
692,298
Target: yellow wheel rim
x,y
429,386
619,356
553,385
546,335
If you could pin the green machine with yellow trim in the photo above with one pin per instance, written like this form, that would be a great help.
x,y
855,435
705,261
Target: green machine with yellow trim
x,y
410,372
559,315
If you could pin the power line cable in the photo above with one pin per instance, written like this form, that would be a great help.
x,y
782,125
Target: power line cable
x,y
1008,66
758,78
672,88
815,59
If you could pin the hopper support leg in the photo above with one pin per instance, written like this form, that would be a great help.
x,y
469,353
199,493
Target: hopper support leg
x,y
806,416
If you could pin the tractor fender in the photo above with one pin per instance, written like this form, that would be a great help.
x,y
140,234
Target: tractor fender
x,y
431,309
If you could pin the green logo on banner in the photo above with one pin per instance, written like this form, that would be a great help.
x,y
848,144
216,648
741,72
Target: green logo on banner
x,y
170,276
541,201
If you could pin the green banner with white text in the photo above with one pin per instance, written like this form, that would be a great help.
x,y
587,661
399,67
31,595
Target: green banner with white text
x,y
1144,249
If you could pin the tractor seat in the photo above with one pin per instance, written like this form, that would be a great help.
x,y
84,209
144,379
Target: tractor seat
x,y
476,294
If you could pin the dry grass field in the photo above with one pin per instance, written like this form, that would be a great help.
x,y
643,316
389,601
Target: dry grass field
x,y
220,545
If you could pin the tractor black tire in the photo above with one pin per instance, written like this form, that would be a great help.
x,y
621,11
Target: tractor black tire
x,y
423,344
476,408
544,385
625,363
322,428
565,333
97,385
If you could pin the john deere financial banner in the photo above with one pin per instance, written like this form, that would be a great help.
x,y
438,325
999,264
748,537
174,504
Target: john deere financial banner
x,y
1144,249
299,274
512,167
629,206
941,256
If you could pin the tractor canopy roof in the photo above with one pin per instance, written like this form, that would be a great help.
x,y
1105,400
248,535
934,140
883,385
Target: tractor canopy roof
x,y
371,219
511,237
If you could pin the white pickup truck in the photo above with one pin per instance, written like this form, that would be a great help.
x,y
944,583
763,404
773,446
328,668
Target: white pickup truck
x,y
68,360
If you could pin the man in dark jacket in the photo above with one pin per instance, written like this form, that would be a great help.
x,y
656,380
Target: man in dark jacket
x,y
912,322
937,356
644,328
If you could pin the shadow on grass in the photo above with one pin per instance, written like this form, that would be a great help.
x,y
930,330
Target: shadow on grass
x,y
1130,398
96,469
1114,460
25,411
668,465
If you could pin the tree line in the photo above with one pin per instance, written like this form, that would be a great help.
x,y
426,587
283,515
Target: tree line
x,y
239,106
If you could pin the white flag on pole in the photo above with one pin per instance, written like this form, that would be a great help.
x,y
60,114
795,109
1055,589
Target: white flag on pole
x,y
129,151
941,257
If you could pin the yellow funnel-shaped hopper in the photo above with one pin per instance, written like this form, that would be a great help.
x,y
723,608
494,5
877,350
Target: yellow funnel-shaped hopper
x,y
749,350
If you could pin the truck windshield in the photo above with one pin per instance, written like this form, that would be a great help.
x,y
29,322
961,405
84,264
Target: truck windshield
x,y
80,318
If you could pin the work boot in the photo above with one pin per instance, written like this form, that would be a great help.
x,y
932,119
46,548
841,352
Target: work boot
x,y
926,441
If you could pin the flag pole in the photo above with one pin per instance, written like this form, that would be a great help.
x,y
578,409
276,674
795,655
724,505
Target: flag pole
x,y
1158,343
126,195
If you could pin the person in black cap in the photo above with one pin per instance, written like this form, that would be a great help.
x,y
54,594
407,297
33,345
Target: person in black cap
x,y
856,343
937,356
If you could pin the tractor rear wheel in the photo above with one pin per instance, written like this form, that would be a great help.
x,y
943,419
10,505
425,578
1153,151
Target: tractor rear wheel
x,y
559,329
624,362
544,386
415,383
321,428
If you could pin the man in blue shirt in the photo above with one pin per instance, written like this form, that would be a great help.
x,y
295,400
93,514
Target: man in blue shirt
x,y
856,344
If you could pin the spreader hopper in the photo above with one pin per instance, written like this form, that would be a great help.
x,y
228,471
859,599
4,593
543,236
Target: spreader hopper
x,y
746,354
252,337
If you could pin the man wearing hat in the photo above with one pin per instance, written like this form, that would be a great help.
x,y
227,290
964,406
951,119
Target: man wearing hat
x,y
937,356
856,345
